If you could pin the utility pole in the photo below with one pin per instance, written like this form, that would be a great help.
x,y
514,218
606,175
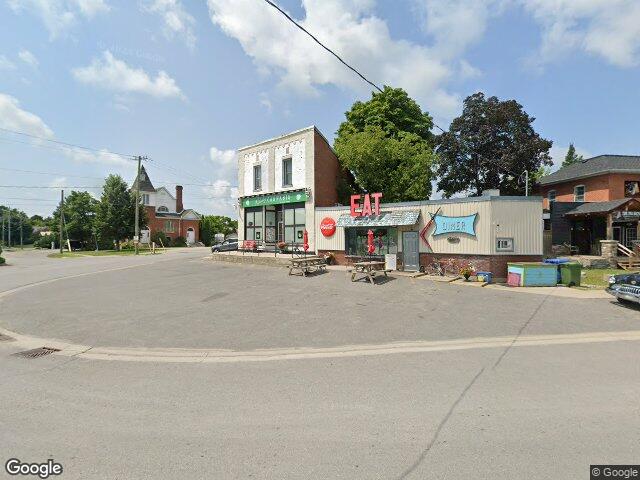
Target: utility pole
x,y
526,183
9,239
2,229
136,237
21,247
61,214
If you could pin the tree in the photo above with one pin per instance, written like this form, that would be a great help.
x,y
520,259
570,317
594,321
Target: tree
x,y
212,224
115,212
386,144
489,146
571,157
79,218
18,219
398,167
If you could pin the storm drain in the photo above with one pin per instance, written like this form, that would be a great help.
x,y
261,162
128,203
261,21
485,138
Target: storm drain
x,y
6,338
37,352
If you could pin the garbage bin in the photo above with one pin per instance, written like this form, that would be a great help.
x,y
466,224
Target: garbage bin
x,y
570,273
484,276
558,262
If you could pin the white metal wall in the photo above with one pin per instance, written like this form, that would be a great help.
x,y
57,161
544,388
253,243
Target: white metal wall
x,y
498,217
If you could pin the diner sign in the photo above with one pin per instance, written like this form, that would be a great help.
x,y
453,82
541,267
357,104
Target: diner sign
x,y
276,199
446,225
364,209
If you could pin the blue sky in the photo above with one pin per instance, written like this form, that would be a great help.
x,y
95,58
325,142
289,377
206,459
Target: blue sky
x,y
187,82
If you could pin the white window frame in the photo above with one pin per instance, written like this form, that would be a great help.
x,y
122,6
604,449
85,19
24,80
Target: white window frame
x,y
172,227
575,194
552,198
257,179
508,247
145,198
284,172
162,208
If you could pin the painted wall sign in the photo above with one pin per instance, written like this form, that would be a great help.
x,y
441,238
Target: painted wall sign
x,y
446,225
275,199
364,209
328,226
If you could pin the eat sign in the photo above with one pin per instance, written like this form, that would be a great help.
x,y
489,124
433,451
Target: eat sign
x,y
366,205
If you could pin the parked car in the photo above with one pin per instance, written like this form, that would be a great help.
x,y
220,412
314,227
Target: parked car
x,y
625,287
226,246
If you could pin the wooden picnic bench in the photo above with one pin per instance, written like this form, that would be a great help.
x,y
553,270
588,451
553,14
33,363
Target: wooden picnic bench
x,y
307,265
368,270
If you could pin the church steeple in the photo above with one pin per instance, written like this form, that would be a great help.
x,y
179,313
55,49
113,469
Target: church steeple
x,y
145,182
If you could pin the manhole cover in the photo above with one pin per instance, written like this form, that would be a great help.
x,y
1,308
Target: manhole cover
x,y
37,352
6,338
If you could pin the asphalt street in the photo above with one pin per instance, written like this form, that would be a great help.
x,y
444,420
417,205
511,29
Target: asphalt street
x,y
543,411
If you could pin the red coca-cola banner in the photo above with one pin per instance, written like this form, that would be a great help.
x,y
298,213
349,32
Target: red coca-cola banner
x,y
328,226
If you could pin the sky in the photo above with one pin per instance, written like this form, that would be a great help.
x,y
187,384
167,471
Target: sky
x,y
187,82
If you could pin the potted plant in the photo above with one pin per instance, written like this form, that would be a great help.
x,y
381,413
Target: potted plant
x,y
282,246
466,272
329,258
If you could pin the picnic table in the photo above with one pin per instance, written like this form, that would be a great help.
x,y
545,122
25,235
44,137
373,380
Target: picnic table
x,y
307,264
368,270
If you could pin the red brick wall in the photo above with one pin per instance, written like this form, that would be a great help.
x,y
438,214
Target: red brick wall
x,y
496,264
326,173
156,224
597,189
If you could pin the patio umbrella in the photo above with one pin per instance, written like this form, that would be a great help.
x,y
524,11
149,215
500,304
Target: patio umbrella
x,y
370,246
305,241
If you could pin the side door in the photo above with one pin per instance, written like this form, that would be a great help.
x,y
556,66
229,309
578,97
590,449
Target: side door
x,y
410,253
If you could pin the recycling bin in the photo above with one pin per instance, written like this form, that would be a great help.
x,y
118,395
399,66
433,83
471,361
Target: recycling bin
x,y
571,274
558,262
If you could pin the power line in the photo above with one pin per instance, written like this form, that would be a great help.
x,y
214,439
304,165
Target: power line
x,y
69,145
50,173
323,46
40,186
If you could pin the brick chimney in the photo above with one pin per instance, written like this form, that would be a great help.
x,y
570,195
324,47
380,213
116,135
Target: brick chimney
x,y
179,206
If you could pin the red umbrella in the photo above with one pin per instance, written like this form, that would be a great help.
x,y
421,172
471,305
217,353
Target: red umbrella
x,y
370,246
305,240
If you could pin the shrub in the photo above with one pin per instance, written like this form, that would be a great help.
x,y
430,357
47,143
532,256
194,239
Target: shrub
x,y
128,245
2,260
45,241
180,242
160,238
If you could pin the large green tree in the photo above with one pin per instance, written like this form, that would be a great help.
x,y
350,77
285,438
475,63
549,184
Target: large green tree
x,y
115,212
489,146
19,220
80,210
386,144
212,224
571,157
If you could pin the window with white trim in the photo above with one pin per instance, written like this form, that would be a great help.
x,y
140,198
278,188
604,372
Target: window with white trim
x,y
551,196
578,193
162,208
504,244
287,172
257,178
145,199
169,226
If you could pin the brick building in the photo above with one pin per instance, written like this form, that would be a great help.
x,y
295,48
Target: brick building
x,y
280,183
593,200
166,212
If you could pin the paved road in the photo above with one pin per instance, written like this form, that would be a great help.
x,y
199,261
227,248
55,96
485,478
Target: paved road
x,y
544,411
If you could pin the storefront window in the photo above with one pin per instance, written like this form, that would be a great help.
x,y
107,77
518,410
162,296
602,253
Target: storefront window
x,y
294,222
384,239
253,221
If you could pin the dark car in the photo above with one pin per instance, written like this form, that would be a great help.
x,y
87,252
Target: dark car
x,y
226,246
625,287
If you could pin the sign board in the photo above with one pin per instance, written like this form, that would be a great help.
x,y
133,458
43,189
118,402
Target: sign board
x,y
275,199
364,209
447,225
328,226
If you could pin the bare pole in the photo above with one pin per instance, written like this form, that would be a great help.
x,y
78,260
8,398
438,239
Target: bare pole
x,y
61,214
136,237
21,246
526,183
9,236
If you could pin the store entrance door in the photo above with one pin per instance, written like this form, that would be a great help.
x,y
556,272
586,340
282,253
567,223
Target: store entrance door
x,y
410,254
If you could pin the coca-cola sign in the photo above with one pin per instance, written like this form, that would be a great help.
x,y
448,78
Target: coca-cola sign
x,y
328,226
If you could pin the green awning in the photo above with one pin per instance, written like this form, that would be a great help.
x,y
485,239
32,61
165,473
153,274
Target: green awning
x,y
385,219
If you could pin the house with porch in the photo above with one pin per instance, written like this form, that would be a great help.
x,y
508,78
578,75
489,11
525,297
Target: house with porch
x,y
592,203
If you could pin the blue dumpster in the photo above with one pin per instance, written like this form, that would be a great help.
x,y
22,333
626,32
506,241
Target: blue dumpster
x,y
484,276
558,262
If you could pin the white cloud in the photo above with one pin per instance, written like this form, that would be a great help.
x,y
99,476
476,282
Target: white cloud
x,y
558,153
177,21
224,158
6,64
13,117
353,31
103,157
606,28
221,198
58,182
29,58
265,101
59,15
112,74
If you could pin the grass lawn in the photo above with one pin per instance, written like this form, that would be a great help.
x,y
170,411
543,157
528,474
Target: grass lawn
x,y
599,276
101,253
